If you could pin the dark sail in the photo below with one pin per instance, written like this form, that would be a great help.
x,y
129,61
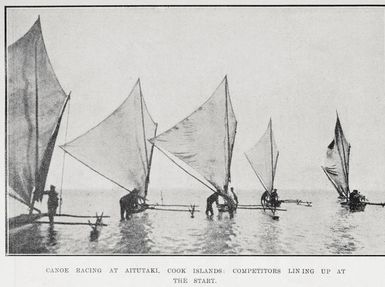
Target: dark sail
x,y
336,165
35,102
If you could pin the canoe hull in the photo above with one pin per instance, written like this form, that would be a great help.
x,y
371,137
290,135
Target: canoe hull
x,y
354,207
23,219
275,217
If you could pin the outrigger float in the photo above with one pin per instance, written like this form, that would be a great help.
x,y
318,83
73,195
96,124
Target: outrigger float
x,y
336,169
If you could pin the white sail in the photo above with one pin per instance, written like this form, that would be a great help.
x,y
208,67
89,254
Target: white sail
x,y
337,161
117,148
263,158
204,140
36,102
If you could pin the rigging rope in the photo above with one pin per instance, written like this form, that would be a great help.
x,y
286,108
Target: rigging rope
x,y
64,156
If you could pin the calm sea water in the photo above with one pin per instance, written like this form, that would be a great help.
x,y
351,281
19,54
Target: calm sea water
x,y
325,228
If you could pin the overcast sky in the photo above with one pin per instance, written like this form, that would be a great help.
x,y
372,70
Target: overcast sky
x,y
296,65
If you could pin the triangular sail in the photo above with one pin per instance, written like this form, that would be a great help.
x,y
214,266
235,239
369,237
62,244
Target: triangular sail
x,y
205,139
337,161
117,148
36,102
263,158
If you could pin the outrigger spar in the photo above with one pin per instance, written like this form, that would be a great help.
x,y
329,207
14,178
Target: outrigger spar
x,y
117,148
35,104
202,143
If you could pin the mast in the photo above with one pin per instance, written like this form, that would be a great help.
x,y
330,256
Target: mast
x,y
147,182
271,155
276,162
228,179
64,154
148,160
143,129
344,165
36,133
347,171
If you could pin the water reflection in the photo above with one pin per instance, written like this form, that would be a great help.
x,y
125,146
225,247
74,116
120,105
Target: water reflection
x,y
134,235
94,235
270,236
343,239
218,235
326,228
27,240
51,235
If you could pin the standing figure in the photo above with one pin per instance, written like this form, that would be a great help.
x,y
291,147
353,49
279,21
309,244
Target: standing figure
x,y
210,201
52,203
355,197
128,204
265,199
235,197
274,200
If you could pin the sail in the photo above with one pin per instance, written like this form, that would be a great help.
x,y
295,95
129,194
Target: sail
x,y
337,161
204,140
35,102
263,158
117,148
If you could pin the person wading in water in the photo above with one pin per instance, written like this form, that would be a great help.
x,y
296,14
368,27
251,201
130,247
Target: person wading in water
x,y
355,198
52,203
128,204
235,197
274,200
210,201
265,198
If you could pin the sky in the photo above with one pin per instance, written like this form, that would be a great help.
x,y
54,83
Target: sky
x,y
295,65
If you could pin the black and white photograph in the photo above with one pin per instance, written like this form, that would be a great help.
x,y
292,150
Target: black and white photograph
x,y
208,130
